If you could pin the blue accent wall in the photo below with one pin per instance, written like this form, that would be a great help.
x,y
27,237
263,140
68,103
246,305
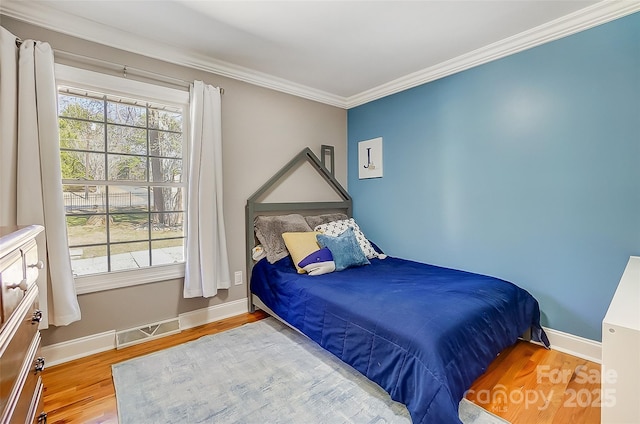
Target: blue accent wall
x,y
526,168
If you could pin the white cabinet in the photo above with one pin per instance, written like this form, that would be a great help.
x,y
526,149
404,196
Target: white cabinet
x,y
621,350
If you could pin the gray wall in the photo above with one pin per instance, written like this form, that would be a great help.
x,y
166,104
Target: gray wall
x,y
261,128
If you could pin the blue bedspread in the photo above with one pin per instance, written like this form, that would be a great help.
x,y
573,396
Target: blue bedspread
x,y
423,333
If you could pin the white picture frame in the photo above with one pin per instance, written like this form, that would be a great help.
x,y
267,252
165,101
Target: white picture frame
x,y
370,158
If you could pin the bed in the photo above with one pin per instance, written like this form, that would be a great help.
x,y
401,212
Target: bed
x,y
422,332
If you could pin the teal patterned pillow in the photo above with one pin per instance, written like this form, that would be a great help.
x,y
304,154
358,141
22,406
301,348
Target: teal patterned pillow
x,y
345,249
335,228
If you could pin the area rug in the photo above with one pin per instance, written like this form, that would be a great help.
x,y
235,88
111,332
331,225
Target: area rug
x,y
262,372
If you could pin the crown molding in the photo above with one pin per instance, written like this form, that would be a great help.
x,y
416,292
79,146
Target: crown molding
x,y
589,17
41,15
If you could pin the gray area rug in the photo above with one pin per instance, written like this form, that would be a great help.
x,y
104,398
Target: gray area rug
x,y
262,372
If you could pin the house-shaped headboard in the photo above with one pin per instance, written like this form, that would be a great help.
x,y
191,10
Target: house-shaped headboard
x,y
256,207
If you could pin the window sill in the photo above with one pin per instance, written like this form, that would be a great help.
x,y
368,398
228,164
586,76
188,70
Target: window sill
x,y
120,279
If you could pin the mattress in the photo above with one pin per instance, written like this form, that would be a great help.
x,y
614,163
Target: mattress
x,y
422,332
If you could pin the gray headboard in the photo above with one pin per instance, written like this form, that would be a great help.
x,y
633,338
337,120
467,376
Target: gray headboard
x,y
255,207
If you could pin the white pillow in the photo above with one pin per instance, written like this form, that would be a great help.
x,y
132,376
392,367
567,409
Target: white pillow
x,y
319,268
335,228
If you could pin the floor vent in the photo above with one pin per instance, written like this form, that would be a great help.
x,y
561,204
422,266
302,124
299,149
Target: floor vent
x,y
147,332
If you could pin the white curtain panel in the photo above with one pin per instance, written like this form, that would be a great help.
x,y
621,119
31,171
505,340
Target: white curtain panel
x,y
207,263
8,127
38,187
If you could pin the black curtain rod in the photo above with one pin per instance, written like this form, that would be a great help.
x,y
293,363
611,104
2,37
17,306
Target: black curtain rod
x,y
125,68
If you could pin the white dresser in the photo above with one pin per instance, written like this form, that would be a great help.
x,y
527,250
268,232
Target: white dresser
x,y
620,381
21,364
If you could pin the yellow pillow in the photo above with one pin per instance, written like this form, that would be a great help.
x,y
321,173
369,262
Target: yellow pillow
x,y
301,245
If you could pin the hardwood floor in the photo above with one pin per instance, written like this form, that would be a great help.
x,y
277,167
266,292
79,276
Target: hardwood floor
x,y
82,391
525,384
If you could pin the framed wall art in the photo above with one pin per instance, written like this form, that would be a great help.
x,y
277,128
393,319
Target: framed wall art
x,y
370,158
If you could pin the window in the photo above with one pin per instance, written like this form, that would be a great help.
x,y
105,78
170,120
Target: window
x,y
124,169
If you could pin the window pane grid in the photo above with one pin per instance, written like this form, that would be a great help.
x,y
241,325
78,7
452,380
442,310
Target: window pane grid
x,y
113,243
142,184
117,124
80,119
131,200
67,149
67,91
89,245
89,214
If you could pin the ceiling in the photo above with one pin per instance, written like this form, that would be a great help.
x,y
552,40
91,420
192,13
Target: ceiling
x,y
343,53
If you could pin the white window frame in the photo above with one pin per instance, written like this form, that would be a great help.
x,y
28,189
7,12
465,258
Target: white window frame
x,y
120,86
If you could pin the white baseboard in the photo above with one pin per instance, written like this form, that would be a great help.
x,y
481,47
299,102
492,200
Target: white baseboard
x,y
590,350
213,313
79,348
59,353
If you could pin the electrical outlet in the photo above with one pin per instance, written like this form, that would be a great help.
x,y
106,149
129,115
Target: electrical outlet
x,y
238,277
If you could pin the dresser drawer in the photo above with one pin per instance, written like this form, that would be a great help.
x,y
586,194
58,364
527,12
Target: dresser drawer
x,y
17,349
37,414
24,410
31,263
12,273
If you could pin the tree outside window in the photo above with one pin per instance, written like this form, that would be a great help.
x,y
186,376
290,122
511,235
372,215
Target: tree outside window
x,y
122,172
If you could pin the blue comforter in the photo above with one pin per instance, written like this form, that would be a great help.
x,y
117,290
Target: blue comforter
x,y
422,332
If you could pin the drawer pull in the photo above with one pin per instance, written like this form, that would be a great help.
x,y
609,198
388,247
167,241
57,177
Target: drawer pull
x,y
39,265
39,365
22,285
37,317
42,418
